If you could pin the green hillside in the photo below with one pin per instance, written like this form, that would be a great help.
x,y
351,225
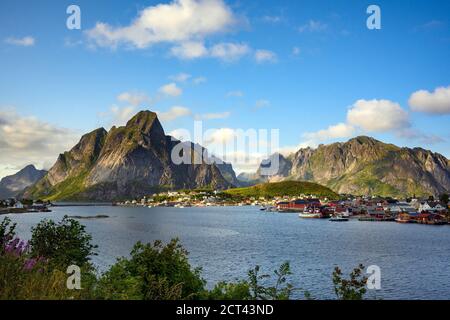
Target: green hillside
x,y
284,188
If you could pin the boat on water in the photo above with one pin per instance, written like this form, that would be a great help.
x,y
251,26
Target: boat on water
x,y
347,213
309,215
338,219
269,209
403,217
312,213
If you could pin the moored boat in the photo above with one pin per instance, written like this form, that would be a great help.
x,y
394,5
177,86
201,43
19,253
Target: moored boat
x,y
309,215
338,219
403,217
401,220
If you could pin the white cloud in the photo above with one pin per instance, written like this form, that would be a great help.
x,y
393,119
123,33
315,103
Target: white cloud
x,y
288,150
71,43
265,56
171,89
272,19
296,51
372,116
262,103
189,50
181,77
220,136
229,51
225,51
235,93
27,140
24,42
134,98
417,135
174,113
340,130
213,116
377,116
436,102
430,25
313,26
181,134
243,161
175,22
120,115
245,149
199,80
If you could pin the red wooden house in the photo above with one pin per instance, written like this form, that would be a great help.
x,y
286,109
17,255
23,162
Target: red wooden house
x,y
299,204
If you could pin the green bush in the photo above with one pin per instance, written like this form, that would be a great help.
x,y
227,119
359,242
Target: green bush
x,y
7,232
252,289
350,289
26,275
230,291
153,272
64,243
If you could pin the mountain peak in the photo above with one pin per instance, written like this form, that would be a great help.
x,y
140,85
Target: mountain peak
x,y
29,170
29,167
147,123
364,140
143,120
91,142
11,186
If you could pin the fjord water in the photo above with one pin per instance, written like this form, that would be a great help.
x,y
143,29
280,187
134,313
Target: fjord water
x,y
227,241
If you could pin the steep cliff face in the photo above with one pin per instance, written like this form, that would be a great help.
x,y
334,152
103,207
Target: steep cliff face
x,y
79,159
226,169
274,169
281,164
13,185
129,161
364,165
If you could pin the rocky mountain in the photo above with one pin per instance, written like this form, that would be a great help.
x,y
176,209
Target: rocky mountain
x,y
13,185
364,165
128,161
227,171
261,175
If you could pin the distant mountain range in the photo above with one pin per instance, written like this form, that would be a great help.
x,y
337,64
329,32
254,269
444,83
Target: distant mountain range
x,y
12,186
135,160
363,166
126,162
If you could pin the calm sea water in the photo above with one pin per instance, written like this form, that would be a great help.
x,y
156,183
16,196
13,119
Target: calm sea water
x,y
227,241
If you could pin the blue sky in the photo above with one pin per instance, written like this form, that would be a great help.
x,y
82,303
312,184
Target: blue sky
x,y
297,66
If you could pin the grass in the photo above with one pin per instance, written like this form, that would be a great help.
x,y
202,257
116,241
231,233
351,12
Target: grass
x,y
68,188
285,188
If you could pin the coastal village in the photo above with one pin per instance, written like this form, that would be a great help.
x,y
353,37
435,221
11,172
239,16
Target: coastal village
x,y
364,208
15,206
429,211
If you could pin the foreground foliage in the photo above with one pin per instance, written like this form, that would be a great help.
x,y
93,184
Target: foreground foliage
x,y
154,271
350,289
25,273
